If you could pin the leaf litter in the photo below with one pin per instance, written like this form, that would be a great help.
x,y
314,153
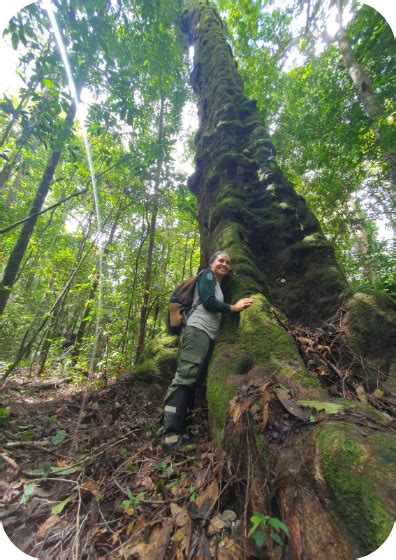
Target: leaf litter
x,y
103,487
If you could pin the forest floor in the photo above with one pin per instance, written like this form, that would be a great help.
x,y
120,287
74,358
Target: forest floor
x,y
84,476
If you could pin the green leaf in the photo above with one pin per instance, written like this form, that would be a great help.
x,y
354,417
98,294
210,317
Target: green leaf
x,y
256,520
278,524
4,414
329,408
27,492
123,452
275,537
259,538
192,492
284,388
48,83
61,506
59,437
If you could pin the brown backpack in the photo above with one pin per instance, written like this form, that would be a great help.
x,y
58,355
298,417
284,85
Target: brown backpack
x,y
180,305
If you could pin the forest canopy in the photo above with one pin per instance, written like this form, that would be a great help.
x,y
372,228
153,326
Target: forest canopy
x,y
103,214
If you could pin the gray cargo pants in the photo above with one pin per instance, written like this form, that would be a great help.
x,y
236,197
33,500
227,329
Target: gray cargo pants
x,y
194,353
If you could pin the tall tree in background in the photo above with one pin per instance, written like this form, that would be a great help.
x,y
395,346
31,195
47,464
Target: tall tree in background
x,y
18,252
281,257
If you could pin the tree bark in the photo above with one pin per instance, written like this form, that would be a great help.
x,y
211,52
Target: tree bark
x,y
322,478
245,202
17,253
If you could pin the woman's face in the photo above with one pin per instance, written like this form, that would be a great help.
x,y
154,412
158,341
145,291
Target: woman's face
x,y
221,266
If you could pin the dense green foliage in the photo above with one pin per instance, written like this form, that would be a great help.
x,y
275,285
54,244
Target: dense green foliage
x,y
127,56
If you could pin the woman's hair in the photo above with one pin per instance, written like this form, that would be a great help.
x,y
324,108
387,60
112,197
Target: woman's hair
x,y
217,254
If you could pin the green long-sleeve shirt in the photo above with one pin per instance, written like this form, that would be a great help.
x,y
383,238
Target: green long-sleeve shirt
x,y
208,304
207,293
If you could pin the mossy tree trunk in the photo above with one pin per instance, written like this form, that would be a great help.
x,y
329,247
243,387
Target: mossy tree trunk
x,y
328,481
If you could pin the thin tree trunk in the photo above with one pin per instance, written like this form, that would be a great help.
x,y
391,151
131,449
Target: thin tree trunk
x,y
192,251
92,293
17,253
368,98
84,319
27,347
185,256
9,167
153,221
132,296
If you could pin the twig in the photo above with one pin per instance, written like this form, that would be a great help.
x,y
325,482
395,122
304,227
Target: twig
x,y
78,527
102,450
10,461
37,444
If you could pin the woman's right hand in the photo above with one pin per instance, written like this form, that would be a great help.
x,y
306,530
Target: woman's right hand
x,y
241,304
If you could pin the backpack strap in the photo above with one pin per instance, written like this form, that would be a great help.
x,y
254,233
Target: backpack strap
x,y
194,307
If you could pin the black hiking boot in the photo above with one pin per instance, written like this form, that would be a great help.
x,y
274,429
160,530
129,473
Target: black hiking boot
x,y
181,443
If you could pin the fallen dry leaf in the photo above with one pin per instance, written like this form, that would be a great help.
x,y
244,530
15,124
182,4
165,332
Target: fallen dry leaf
x,y
361,393
48,525
137,526
228,549
144,481
305,340
228,516
290,404
92,486
201,477
266,399
179,515
211,493
155,549
216,525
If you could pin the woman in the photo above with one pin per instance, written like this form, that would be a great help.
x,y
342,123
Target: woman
x,y
195,347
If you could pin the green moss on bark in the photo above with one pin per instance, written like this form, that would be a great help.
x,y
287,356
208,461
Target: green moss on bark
x,y
351,476
252,347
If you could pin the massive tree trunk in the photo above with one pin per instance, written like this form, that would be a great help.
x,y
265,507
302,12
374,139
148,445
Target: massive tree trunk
x,y
329,480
